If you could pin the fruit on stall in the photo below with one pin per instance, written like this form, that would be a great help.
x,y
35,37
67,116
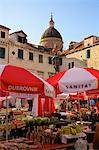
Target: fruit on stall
x,y
2,127
78,128
26,121
45,120
10,126
19,123
65,130
37,120
71,129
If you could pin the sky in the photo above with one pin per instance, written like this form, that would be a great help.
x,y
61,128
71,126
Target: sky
x,y
74,19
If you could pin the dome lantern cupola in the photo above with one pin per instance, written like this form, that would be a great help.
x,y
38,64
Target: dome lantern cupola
x,y
51,22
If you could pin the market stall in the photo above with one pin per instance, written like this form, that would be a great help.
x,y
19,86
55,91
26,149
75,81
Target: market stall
x,y
80,81
19,80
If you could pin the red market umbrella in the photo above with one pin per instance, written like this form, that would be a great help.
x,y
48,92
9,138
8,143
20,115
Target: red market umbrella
x,y
3,94
80,96
19,80
93,93
76,96
75,80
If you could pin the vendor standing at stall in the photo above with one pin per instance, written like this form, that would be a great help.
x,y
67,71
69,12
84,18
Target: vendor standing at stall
x,y
63,106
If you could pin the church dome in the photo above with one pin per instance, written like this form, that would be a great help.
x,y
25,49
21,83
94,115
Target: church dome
x,y
51,38
51,32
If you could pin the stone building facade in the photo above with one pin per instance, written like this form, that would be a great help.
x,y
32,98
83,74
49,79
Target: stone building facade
x,y
72,62
86,51
42,59
21,53
15,50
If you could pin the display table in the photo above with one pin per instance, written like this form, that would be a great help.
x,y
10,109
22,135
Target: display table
x,y
86,122
90,135
66,113
66,138
49,132
20,143
58,146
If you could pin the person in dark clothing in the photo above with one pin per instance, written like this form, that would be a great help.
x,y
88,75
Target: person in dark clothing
x,y
63,106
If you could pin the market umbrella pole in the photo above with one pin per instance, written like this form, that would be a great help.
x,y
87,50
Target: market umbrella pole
x,y
6,118
79,106
50,106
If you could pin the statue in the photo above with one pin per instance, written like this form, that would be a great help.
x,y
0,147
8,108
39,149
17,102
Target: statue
x,y
56,58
